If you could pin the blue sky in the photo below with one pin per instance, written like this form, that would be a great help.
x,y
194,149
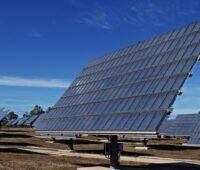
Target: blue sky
x,y
45,43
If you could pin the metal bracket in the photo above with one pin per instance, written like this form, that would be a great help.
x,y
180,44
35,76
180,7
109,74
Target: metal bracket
x,y
198,58
190,74
169,111
180,92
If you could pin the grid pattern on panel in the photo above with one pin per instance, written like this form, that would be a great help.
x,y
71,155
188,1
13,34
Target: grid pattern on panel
x,y
166,123
182,125
22,121
195,137
150,45
130,89
31,120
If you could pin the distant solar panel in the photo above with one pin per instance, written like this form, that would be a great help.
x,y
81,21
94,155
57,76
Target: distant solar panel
x,y
19,121
165,127
129,90
10,122
22,121
3,113
15,122
195,137
182,125
31,120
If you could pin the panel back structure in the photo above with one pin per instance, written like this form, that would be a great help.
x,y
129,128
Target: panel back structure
x,y
183,125
57,136
127,91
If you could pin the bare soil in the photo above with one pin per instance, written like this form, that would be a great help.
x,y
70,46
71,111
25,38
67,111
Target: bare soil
x,y
13,158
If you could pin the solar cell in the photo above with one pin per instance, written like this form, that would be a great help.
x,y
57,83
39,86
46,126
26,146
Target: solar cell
x,y
129,90
182,125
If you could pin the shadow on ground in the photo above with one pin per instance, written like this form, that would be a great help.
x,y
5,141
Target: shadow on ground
x,y
19,151
130,140
7,135
171,147
181,166
17,144
79,142
126,153
93,165
9,130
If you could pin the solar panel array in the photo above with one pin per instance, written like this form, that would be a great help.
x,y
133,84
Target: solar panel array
x,y
195,137
182,125
129,90
3,113
21,121
10,122
165,125
15,122
31,120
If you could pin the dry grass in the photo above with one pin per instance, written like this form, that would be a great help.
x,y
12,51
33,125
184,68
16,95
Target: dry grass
x,y
14,159
167,149
43,162
24,137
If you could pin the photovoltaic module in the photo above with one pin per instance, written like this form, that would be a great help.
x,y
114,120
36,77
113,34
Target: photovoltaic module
x,y
127,91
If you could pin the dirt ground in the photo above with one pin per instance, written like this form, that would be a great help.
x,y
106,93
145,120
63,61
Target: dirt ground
x,y
13,157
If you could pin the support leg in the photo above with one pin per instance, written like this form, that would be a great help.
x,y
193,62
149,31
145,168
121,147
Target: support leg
x,y
145,141
71,144
114,153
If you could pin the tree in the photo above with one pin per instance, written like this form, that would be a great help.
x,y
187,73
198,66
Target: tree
x,y
26,114
48,109
12,115
37,110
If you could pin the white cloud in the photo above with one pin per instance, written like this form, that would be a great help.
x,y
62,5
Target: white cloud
x,y
136,13
142,14
33,82
97,18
